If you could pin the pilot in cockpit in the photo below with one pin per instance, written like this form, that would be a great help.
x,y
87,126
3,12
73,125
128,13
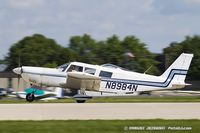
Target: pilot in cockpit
x,y
73,68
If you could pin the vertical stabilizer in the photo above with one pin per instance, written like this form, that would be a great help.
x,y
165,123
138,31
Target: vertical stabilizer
x,y
179,68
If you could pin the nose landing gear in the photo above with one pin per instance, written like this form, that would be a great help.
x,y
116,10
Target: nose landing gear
x,y
30,97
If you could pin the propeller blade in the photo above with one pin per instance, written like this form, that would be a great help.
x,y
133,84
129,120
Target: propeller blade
x,y
18,85
19,72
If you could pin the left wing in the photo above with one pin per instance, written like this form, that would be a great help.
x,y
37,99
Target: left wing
x,y
80,80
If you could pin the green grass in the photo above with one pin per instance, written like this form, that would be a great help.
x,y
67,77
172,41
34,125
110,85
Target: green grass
x,y
146,99
133,99
96,126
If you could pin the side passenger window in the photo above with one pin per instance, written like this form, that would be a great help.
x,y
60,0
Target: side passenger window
x,y
105,74
90,70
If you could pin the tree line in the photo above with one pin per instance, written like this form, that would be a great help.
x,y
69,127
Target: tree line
x,y
129,52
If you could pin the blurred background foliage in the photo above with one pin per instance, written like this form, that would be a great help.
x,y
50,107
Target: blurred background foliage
x,y
189,45
129,52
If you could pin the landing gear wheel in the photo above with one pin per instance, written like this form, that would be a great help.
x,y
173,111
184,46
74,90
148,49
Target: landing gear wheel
x,y
80,101
30,97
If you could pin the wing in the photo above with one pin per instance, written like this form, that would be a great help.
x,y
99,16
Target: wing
x,y
78,80
44,96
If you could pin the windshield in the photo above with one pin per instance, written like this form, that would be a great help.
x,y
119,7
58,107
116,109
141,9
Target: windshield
x,y
63,67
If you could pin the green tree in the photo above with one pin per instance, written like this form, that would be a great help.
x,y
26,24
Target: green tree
x,y
113,50
143,59
189,45
2,61
37,50
84,47
110,51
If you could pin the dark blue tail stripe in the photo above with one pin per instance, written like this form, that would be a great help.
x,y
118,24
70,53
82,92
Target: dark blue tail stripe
x,y
168,80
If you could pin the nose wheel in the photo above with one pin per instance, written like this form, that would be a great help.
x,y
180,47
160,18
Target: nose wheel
x,y
30,97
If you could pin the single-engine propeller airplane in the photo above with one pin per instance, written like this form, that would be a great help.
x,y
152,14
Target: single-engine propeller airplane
x,y
46,93
87,81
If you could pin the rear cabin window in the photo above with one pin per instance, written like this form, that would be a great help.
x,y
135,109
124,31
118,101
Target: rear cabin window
x,y
90,70
75,68
105,74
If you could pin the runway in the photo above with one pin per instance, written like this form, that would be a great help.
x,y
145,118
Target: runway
x,y
106,111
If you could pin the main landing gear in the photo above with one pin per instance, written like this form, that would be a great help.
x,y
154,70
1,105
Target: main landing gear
x,y
80,101
81,98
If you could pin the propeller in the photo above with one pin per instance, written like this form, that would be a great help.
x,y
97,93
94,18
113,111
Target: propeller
x,y
18,83
18,71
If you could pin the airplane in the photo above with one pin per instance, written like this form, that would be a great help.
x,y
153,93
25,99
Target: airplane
x,y
87,81
40,93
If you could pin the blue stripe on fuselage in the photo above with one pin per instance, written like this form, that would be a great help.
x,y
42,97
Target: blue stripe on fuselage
x,y
168,80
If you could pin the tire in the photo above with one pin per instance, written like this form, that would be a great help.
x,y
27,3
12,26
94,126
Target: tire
x,y
30,97
80,101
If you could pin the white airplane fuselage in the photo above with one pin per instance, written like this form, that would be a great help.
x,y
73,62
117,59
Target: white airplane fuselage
x,y
113,79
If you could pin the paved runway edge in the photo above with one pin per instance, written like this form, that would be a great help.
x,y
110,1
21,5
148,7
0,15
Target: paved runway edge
x,y
101,111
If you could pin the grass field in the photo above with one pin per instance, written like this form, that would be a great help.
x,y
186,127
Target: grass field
x,y
147,99
133,99
100,126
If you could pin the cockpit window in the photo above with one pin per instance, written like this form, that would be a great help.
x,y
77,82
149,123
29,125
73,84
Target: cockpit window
x,y
75,68
63,67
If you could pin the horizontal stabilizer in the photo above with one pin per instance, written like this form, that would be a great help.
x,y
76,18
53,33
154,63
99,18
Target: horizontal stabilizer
x,y
178,86
188,92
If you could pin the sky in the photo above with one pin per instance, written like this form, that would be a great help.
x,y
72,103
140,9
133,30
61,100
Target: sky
x,y
156,23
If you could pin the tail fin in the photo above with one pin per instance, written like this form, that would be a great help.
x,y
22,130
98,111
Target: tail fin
x,y
179,68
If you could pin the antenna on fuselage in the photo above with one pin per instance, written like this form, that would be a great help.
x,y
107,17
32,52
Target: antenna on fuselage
x,y
148,69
